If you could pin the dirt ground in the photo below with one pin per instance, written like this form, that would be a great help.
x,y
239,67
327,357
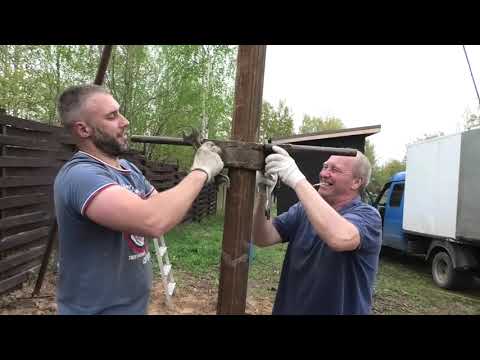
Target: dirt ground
x,y
192,297
199,297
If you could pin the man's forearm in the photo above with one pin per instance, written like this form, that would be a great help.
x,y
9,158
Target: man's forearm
x,y
168,208
330,226
263,232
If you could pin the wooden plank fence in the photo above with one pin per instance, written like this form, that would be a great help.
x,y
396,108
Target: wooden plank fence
x,y
31,155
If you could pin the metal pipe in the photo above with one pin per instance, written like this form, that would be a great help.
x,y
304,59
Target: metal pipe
x,y
290,148
165,140
471,73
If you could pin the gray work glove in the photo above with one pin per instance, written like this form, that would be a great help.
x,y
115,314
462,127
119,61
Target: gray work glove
x,y
208,160
282,164
265,184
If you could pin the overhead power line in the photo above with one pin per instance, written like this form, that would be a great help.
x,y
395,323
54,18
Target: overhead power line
x,y
471,73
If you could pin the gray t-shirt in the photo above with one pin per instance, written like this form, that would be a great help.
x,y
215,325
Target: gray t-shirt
x,y
101,271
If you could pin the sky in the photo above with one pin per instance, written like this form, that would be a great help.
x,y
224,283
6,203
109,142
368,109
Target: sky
x,y
409,90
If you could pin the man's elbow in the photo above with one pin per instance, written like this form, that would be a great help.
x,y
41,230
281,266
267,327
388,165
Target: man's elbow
x,y
153,232
264,235
261,244
266,239
345,243
155,227
256,240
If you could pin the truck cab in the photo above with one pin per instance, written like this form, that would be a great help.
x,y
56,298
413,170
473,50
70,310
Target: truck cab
x,y
390,205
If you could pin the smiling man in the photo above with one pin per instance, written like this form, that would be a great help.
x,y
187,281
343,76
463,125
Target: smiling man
x,y
334,238
106,208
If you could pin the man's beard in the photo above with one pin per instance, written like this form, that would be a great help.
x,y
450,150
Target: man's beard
x,y
108,144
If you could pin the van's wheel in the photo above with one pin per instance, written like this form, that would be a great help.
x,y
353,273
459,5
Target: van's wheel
x,y
445,276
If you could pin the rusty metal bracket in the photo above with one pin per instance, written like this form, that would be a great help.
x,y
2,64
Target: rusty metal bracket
x,y
233,263
240,154
243,155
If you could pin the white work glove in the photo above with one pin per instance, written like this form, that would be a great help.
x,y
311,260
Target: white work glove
x,y
208,160
282,164
265,184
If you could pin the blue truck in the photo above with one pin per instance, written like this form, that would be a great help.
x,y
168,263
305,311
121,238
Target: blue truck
x,y
432,209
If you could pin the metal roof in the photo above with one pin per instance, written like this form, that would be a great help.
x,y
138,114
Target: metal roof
x,y
365,130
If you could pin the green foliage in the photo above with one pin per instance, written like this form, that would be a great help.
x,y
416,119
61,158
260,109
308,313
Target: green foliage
x,y
275,122
162,90
370,153
168,90
375,183
31,77
311,124
472,122
383,173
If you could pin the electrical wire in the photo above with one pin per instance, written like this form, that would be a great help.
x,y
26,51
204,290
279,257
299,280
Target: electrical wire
x,y
471,73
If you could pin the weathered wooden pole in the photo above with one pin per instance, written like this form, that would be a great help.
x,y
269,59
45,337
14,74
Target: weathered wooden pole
x,y
46,255
99,79
102,67
232,291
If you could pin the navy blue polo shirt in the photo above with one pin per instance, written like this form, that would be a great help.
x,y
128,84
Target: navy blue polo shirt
x,y
318,280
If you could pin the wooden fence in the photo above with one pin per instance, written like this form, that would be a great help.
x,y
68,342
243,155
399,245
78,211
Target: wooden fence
x,y
31,155
165,176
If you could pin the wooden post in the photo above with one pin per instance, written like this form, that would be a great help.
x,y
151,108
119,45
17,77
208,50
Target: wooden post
x,y
102,67
46,256
4,173
232,290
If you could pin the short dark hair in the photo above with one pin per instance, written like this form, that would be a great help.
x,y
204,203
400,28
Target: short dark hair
x,y
71,100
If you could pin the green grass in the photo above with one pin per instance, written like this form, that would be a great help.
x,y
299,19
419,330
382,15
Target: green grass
x,y
195,248
405,286
265,268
